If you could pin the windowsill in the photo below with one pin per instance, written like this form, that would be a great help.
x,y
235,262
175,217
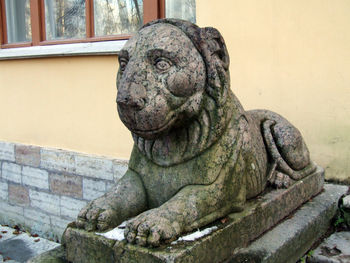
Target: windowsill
x,y
78,49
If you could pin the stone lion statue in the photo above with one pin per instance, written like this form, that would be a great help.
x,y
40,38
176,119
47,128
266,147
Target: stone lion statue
x,y
198,155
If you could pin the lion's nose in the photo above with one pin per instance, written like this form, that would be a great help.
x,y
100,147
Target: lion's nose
x,y
133,96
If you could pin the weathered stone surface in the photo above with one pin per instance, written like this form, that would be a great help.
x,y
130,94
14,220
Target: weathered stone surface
x,y
93,189
87,247
44,201
346,209
198,155
22,247
11,214
7,151
291,239
259,215
18,195
335,249
3,190
12,172
57,160
94,167
35,177
55,255
58,225
33,214
27,155
119,168
70,207
66,185
346,201
39,222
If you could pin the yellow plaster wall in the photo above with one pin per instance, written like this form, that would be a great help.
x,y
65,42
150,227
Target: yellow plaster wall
x,y
293,57
290,56
64,103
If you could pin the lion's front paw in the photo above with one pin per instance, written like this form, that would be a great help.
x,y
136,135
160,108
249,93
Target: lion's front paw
x,y
97,215
150,229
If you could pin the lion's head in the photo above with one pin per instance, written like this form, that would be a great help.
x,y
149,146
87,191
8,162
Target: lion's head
x,y
165,71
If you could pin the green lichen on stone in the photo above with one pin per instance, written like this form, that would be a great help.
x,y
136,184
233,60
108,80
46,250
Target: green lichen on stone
x,y
56,255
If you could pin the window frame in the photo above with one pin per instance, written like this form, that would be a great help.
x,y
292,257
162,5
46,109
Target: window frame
x,y
152,9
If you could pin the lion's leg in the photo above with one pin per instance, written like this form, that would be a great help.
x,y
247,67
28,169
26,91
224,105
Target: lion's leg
x,y
125,200
192,207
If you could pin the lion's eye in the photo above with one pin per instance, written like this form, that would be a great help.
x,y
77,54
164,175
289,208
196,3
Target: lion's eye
x,y
163,64
122,64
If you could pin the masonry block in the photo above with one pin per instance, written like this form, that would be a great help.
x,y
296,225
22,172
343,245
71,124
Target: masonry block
x,y
18,195
27,155
58,222
7,208
94,167
11,172
44,201
3,190
70,207
58,225
93,189
119,169
66,185
7,151
38,222
11,214
35,215
57,160
35,177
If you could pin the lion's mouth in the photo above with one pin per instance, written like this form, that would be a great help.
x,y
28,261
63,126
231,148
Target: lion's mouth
x,y
158,130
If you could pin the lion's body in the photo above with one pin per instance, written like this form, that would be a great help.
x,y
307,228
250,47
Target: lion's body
x,y
198,155
239,138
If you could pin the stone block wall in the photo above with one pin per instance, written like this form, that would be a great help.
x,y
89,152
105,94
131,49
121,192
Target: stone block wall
x,y
43,189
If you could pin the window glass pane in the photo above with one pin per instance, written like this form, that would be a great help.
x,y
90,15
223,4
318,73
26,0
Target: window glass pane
x,y
65,19
114,17
183,9
18,21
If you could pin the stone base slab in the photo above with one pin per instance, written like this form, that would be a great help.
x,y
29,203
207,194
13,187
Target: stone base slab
x,y
233,233
290,240
335,249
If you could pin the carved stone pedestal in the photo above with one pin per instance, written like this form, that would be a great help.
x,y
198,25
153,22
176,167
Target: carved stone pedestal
x,y
228,243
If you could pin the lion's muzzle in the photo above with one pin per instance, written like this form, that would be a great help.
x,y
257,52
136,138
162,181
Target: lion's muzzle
x,y
133,97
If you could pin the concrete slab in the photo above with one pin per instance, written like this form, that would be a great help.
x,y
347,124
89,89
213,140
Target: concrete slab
x,y
21,247
335,249
291,239
233,233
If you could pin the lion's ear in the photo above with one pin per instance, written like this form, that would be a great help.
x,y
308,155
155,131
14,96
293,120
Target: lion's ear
x,y
217,60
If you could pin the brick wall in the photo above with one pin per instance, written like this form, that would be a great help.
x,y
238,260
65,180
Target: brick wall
x,y
43,189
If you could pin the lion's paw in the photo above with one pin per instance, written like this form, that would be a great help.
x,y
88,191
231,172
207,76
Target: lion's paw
x,y
150,229
97,215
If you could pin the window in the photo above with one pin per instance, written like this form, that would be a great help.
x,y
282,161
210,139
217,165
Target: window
x,y
43,22
25,23
183,9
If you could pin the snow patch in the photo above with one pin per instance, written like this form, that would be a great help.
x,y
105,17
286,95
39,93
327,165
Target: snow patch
x,y
195,235
116,233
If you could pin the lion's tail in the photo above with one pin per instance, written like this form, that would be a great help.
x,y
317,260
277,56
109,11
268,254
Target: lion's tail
x,y
278,162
